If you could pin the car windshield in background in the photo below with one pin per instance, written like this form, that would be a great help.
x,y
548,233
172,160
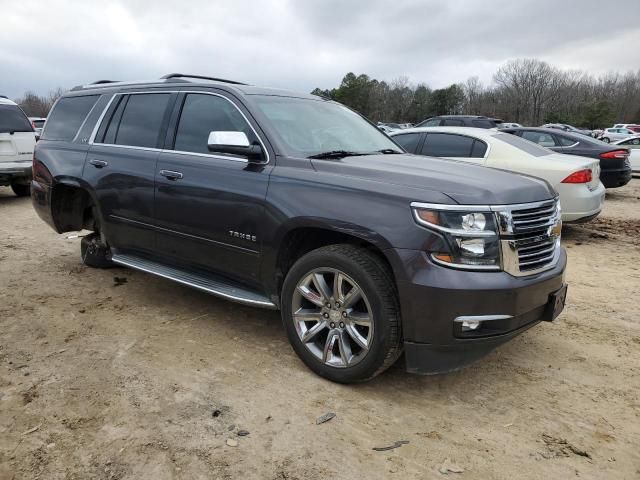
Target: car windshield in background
x,y
312,127
524,145
12,119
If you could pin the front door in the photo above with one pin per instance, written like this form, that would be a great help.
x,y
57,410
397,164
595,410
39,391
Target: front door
x,y
209,208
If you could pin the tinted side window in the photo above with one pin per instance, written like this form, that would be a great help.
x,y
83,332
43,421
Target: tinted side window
x,y
435,122
566,142
408,141
203,114
479,149
13,119
483,124
67,117
452,122
141,120
542,139
447,145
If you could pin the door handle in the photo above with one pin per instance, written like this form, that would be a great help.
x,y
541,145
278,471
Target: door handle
x,y
98,163
171,175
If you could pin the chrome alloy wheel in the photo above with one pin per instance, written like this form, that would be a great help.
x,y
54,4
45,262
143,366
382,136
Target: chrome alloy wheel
x,y
332,317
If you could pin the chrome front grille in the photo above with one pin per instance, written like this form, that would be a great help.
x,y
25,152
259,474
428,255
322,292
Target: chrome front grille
x,y
530,236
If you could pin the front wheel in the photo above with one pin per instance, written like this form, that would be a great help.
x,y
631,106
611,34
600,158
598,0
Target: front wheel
x,y
340,309
605,139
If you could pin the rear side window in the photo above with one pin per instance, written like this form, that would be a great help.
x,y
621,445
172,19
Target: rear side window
x,y
13,119
567,142
483,123
434,122
541,138
203,114
138,120
408,141
67,117
447,145
452,122
479,149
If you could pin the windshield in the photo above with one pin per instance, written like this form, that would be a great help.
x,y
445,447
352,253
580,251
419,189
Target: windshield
x,y
311,127
12,119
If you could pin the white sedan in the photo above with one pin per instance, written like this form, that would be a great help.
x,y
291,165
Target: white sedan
x,y
576,179
633,144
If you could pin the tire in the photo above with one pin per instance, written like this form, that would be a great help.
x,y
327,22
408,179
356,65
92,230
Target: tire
x,y
605,139
337,352
95,253
21,189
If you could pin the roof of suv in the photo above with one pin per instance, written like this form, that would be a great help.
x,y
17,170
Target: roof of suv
x,y
182,80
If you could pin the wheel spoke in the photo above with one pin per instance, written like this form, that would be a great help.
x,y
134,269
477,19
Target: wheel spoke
x,y
337,287
310,295
357,337
307,315
311,334
345,349
352,297
360,318
332,338
322,287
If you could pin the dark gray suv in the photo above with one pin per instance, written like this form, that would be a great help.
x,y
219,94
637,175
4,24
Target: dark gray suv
x,y
290,201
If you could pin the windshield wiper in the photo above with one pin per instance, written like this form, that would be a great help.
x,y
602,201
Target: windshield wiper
x,y
388,151
337,154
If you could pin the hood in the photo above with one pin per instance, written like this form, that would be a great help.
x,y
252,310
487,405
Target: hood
x,y
464,183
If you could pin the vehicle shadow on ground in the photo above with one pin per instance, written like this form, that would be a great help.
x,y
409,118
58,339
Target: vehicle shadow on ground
x,y
200,315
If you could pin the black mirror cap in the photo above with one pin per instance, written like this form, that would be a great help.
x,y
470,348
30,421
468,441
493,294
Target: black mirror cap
x,y
253,152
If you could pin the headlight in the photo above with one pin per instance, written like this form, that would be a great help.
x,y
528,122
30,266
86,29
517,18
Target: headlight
x,y
471,235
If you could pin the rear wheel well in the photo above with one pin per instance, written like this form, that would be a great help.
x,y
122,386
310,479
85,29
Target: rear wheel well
x,y
72,209
301,241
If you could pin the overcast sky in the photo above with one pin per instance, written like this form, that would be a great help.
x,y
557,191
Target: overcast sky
x,y
306,43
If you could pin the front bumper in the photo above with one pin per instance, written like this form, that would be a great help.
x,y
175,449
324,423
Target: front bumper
x,y
432,297
10,171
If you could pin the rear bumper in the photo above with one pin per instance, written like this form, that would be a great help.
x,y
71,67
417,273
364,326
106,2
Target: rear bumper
x,y
615,177
10,171
433,297
579,204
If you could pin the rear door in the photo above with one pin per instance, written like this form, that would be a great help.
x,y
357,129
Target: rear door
x,y
121,167
17,138
454,146
210,207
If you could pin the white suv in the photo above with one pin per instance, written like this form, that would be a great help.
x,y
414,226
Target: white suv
x,y
17,141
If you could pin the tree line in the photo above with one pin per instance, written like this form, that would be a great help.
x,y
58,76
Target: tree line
x,y
526,91
35,105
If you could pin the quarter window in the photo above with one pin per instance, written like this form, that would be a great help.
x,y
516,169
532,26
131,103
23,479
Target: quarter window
x,y
67,117
447,145
408,141
203,114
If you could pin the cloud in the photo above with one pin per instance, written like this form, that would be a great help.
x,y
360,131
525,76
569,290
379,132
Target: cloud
x,y
304,44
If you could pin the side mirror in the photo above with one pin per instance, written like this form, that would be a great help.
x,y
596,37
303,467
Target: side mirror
x,y
235,143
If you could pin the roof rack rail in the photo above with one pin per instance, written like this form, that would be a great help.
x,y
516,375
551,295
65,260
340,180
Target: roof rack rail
x,y
201,77
98,82
4,96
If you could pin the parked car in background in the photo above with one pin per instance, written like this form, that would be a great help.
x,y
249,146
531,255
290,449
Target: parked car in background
x,y
393,126
406,125
576,179
614,134
290,201
477,121
568,128
17,141
37,123
615,170
386,128
508,125
630,126
633,144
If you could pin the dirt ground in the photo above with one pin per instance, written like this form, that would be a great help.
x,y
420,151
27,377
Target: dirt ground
x,y
146,379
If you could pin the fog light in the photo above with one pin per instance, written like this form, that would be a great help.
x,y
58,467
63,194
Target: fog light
x,y
471,325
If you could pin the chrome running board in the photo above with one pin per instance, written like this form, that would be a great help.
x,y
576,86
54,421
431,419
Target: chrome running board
x,y
213,284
